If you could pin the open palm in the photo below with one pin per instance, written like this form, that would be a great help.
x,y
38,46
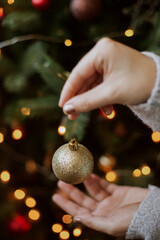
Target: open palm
x,y
110,208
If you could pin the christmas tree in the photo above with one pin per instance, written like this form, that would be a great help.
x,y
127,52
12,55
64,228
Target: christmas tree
x,y
40,43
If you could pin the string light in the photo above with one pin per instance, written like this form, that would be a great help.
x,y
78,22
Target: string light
x,y
146,170
34,214
112,115
137,173
77,232
25,111
67,219
10,2
129,33
5,176
30,166
1,137
30,202
57,227
19,194
111,176
17,134
68,42
1,12
64,234
155,136
61,130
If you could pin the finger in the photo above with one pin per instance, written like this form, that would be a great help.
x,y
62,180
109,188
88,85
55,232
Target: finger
x,y
76,195
94,189
107,109
95,222
81,73
68,206
108,187
87,101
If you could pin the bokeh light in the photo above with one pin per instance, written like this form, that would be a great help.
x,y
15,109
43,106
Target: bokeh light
x,y
5,176
25,111
77,232
112,115
34,214
137,173
67,219
10,2
64,234
111,176
1,12
19,194
30,166
146,170
1,137
30,202
61,130
129,33
17,134
155,137
68,42
57,227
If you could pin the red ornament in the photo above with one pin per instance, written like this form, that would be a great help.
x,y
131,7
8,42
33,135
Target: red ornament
x,y
19,224
41,4
85,10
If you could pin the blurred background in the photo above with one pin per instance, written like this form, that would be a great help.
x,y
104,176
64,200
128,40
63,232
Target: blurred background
x,y
40,42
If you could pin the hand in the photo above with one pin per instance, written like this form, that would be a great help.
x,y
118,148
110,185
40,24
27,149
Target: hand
x,y
110,208
110,73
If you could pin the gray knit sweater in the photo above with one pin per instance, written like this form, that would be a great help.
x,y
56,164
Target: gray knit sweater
x,y
146,222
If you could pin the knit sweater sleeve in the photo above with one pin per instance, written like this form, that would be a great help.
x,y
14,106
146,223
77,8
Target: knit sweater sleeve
x,y
146,222
149,112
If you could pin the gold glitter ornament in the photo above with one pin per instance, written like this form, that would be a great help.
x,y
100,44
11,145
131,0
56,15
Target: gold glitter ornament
x,y
72,162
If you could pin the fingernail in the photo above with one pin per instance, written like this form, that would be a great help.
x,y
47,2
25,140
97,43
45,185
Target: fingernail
x,y
77,219
69,109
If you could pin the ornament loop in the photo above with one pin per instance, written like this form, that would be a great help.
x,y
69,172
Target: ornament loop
x,y
73,145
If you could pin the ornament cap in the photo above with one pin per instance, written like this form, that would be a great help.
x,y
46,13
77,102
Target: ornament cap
x,y
73,144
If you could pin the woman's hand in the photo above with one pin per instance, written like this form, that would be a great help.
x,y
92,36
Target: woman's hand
x,y
110,73
109,209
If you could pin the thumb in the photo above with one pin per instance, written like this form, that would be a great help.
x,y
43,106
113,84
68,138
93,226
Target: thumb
x,y
97,97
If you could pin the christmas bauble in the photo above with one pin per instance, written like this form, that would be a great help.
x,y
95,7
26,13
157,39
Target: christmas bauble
x,y
72,163
85,10
41,4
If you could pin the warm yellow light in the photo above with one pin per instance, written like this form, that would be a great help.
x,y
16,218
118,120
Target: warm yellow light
x,y
57,228
77,232
30,202
0,51
68,42
129,33
1,12
19,194
30,166
64,234
1,137
67,219
25,111
34,214
5,176
112,115
146,170
136,173
111,176
17,134
61,130
10,2
155,136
